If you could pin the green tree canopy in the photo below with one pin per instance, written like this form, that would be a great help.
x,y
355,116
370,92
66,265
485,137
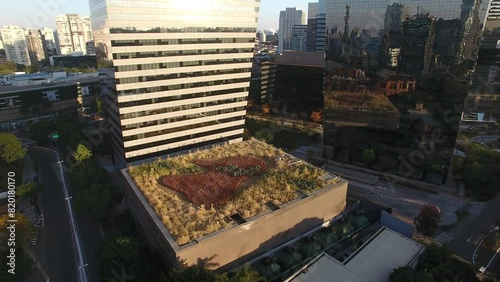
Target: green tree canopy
x,y
95,201
440,263
369,156
201,273
8,67
408,274
82,153
124,256
11,148
427,220
29,189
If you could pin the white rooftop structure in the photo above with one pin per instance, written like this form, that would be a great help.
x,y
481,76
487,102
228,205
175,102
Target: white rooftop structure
x,y
375,262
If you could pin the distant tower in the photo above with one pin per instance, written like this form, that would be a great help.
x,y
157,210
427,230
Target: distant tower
x,y
345,37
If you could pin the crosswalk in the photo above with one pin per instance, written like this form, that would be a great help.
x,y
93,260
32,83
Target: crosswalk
x,y
442,239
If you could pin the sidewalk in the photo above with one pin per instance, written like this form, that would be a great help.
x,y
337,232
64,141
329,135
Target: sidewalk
x,y
31,212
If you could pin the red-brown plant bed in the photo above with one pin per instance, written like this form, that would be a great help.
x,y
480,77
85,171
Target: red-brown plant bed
x,y
214,187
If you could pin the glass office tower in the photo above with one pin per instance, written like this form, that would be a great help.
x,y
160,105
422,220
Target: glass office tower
x,y
182,70
396,80
483,103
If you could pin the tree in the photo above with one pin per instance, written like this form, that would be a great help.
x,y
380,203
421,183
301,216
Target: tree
x,y
11,148
95,201
265,135
369,156
427,220
408,274
317,116
24,230
440,263
125,255
29,189
8,67
32,69
82,153
183,272
245,274
266,109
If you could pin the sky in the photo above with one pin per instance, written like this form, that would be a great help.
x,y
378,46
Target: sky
x,y
41,13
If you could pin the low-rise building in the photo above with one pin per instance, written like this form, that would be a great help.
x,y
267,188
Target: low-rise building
x,y
275,198
25,98
77,60
374,261
295,80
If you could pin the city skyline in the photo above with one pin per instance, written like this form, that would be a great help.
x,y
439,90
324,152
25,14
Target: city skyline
x,y
25,13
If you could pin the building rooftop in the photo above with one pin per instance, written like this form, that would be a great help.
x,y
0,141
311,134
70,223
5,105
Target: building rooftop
x,y
50,81
200,193
299,58
375,261
358,101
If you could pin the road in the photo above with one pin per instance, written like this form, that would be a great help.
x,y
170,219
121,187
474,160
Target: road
x,y
55,250
465,243
56,247
407,202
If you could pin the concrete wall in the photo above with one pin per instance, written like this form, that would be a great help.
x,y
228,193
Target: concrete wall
x,y
267,232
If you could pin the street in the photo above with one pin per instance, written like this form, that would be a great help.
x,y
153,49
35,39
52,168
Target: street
x,y
55,250
407,202
465,243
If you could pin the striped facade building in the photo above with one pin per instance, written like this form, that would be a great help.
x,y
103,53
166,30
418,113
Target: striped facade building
x,y
182,71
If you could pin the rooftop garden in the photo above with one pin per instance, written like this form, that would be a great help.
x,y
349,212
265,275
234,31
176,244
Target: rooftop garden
x,y
358,101
197,193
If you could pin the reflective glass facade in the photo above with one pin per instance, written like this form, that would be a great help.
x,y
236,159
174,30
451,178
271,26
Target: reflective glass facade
x,y
397,77
182,70
483,102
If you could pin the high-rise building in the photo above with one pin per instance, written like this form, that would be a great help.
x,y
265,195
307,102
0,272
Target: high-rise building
x,y
299,37
312,10
182,72
394,91
494,10
35,45
74,32
483,103
49,41
288,19
16,47
395,14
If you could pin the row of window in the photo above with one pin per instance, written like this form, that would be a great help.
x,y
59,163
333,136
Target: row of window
x,y
179,75
181,118
182,97
180,30
148,42
180,64
180,129
181,108
182,86
158,54
182,138
193,146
